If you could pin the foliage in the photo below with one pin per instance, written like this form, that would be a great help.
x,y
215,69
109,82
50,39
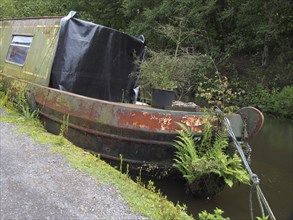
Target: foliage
x,y
24,108
4,96
225,25
157,71
186,72
263,218
274,101
177,32
32,8
204,215
19,103
196,157
64,125
181,69
191,70
163,69
250,34
216,91
181,73
102,12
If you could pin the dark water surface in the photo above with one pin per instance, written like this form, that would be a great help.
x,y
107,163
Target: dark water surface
x,y
271,161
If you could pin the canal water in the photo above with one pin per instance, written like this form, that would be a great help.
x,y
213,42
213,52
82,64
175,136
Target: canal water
x,y
271,161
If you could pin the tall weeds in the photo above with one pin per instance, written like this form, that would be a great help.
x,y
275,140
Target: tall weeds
x,y
18,102
24,108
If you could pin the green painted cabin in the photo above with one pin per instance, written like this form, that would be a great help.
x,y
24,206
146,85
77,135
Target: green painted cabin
x,y
28,47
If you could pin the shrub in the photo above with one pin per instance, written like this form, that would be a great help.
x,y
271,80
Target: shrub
x,y
274,101
282,102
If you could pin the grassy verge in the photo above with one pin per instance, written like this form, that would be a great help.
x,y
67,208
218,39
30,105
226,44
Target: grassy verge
x,y
144,200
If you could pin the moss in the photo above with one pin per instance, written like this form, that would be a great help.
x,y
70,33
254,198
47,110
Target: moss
x,y
146,202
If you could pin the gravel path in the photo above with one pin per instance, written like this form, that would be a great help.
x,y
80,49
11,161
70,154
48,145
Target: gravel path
x,y
38,184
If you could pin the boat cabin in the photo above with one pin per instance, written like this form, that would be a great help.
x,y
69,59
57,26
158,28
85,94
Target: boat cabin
x,y
71,55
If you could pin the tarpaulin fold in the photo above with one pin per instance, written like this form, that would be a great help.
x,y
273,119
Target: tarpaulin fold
x,y
95,61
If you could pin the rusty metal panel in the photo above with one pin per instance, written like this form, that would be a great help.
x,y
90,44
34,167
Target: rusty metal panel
x,y
118,115
37,67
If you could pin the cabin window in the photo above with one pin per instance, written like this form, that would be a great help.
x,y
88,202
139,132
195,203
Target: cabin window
x,y
19,48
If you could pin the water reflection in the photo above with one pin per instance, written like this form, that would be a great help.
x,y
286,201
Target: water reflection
x,y
271,161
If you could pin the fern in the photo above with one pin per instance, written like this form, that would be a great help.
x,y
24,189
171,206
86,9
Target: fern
x,y
186,155
196,157
206,141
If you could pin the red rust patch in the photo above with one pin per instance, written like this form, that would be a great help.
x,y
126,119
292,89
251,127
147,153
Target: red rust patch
x,y
153,121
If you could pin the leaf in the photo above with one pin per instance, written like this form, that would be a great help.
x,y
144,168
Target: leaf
x,y
229,182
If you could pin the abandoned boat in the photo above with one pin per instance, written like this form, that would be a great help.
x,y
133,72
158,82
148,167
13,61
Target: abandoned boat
x,y
80,70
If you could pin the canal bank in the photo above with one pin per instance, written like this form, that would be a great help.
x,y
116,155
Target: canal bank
x,y
39,184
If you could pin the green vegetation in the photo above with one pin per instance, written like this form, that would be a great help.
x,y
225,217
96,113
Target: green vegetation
x,y
196,157
216,91
274,101
19,103
64,125
24,108
158,71
170,69
263,218
204,215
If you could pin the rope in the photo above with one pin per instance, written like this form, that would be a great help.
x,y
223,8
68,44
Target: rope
x,y
253,177
250,203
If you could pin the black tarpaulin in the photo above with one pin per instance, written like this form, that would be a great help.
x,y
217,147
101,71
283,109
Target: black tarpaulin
x,y
95,61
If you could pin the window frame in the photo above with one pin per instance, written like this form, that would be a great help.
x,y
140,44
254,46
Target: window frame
x,y
18,45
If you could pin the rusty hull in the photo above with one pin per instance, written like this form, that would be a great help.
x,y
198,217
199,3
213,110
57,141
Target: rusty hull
x,y
143,135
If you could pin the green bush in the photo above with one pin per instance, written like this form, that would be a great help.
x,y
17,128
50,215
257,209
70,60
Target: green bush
x,y
274,101
282,102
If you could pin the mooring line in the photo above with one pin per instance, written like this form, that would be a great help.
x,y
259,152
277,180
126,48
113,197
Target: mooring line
x,y
253,177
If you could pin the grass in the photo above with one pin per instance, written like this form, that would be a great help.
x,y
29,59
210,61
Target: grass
x,y
145,200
